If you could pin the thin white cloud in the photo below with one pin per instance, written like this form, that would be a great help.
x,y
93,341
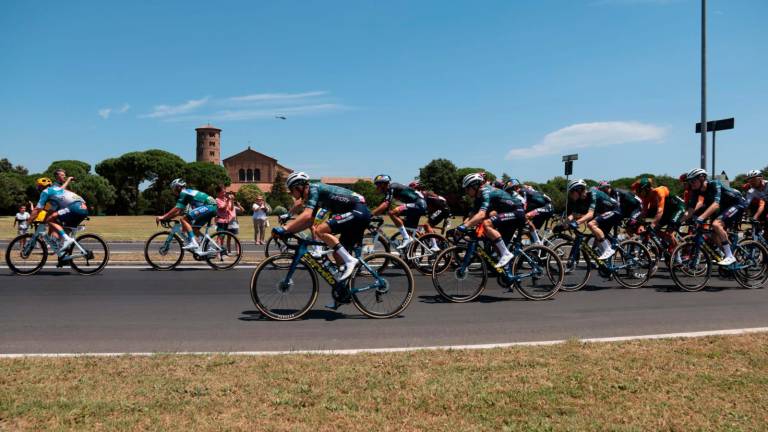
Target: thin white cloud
x,y
160,111
106,112
238,115
585,135
633,2
270,97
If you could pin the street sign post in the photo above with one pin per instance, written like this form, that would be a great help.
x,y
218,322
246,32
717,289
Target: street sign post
x,y
568,160
714,126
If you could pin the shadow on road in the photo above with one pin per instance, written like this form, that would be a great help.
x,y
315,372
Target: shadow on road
x,y
322,314
435,299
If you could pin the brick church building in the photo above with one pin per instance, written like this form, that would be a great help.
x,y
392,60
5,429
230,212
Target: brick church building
x,y
249,166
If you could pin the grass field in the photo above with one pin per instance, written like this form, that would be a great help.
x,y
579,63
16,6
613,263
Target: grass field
x,y
137,228
714,383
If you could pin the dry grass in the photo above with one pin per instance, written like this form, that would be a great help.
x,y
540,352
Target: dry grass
x,y
716,383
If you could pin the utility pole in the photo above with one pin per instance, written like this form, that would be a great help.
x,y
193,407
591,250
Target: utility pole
x,y
704,82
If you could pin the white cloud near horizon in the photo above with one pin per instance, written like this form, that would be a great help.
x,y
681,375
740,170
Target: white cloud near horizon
x,y
160,111
106,112
269,97
586,135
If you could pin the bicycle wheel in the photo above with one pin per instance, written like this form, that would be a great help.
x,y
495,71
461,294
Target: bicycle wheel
x,y
163,250
632,264
383,292
95,258
224,252
691,267
281,298
28,260
751,264
540,272
577,269
456,282
656,253
423,251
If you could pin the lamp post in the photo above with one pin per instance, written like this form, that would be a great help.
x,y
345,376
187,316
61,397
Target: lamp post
x,y
703,81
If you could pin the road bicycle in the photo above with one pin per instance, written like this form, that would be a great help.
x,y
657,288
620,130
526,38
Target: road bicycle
x,y
164,250
285,287
88,255
693,258
631,265
460,272
660,244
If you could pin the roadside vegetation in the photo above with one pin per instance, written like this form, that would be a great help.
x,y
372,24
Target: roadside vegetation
x,y
713,383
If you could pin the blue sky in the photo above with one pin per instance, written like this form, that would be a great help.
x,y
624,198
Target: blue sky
x,y
371,87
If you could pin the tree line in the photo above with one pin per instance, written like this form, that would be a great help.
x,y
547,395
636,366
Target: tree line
x,y
137,183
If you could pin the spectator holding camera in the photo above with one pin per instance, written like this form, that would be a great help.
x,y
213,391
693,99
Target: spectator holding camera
x,y
261,211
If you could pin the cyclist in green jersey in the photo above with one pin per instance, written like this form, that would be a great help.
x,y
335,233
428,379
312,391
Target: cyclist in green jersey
x,y
407,214
595,208
202,208
350,218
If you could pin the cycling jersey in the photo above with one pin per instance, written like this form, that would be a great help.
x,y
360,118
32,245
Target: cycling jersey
x,y
58,198
435,202
402,193
629,203
659,200
717,192
334,198
491,199
534,199
758,194
596,200
194,199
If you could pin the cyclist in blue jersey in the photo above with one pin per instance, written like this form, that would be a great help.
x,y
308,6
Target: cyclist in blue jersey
x,y
726,205
594,207
412,207
350,218
201,209
66,209
500,213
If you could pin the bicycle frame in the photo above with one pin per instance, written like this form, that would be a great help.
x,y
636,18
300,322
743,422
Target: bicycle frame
x,y
175,227
472,249
40,231
577,248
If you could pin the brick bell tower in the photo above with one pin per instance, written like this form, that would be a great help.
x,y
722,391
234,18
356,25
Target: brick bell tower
x,y
209,144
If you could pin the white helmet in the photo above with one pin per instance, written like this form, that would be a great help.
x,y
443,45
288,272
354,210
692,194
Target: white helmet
x,y
178,183
577,183
695,173
295,178
472,179
754,173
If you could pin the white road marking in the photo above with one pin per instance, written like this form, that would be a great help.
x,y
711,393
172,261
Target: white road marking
x,y
408,349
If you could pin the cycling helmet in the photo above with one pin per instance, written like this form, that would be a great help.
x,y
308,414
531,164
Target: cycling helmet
x,y
472,180
645,183
296,178
43,182
577,184
382,178
178,183
754,173
514,183
603,185
683,177
414,184
695,173
498,184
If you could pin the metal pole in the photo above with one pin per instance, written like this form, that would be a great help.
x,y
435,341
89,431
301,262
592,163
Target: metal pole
x,y
566,196
704,84
713,153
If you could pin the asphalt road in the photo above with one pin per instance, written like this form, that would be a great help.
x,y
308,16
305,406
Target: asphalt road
x,y
122,246
135,310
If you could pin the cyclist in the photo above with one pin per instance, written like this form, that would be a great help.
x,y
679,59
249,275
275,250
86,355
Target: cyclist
x,y
726,205
66,209
631,205
412,206
202,208
586,203
758,194
665,209
350,218
500,213
538,206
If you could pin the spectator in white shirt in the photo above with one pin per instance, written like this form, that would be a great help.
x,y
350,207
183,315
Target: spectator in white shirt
x,y
260,212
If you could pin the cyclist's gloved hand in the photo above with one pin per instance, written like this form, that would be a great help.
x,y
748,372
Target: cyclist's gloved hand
x,y
574,225
462,229
699,221
284,217
279,232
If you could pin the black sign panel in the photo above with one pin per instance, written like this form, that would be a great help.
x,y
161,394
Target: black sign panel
x,y
716,125
568,168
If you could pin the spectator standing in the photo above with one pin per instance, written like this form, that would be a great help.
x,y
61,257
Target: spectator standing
x,y
22,220
224,206
261,211
233,225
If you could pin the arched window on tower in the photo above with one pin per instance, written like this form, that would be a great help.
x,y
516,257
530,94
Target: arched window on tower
x,y
257,175
241,175
249,175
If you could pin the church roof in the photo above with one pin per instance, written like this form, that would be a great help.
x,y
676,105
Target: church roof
x,y
248,151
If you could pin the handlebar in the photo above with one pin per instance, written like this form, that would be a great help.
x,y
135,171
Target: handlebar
x,y
300,240
169,223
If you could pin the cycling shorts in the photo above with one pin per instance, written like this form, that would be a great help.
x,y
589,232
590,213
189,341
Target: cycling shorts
x,y
73,214
541,215
732,215
508,222
608,220
438,216
412,212
202,215
351,226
